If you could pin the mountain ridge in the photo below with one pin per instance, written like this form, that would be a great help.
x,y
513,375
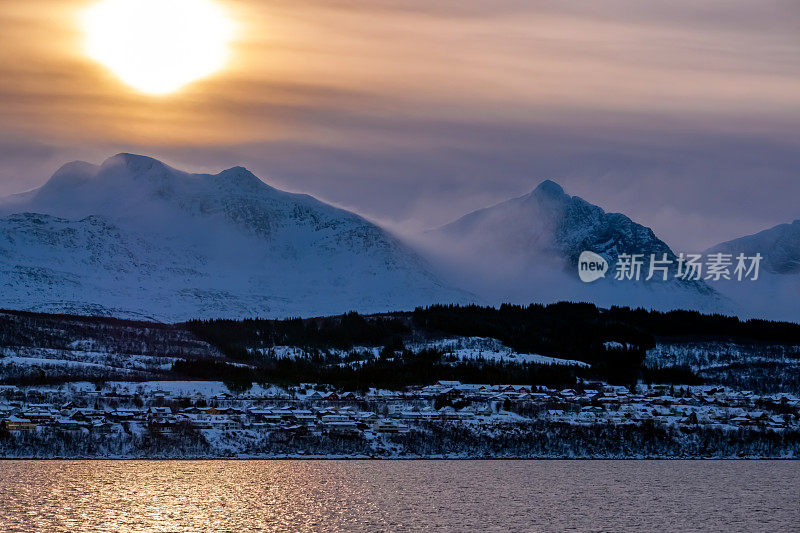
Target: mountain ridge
x,y
776,293
542,234
780,246
136,234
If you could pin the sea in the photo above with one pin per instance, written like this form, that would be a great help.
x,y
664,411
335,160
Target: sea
x,y
417,495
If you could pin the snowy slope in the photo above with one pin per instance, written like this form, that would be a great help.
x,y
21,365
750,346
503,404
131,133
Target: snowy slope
x,y
134,237
776,294
780,247
527,248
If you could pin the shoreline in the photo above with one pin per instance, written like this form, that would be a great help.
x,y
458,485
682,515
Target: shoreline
x,y
421,458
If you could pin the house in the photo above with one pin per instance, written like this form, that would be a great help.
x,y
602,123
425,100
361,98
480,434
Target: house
x,y
366,416
164,424
265,416
342,428
15,423
304,416
423,416
334,418
101,427
39,417
220,422
387,426
126,415
568,394
448,413
68,424
294,431
451,393
608,399
741,421
81,415
660,412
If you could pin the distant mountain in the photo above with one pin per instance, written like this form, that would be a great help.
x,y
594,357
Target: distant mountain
x,y
780,247
550,221
134,237
776,294
527,248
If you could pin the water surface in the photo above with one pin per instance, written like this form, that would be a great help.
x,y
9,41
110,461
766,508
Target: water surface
x,y
240,496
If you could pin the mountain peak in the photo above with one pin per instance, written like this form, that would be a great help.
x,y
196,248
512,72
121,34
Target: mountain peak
x,y
238,171
548,189
132,162
779,246
72,173
138,236
75,167
242,178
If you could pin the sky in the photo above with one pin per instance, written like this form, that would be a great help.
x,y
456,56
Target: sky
x,y
683,115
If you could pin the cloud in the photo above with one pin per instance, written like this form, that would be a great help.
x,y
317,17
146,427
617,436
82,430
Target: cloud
x,y
684,115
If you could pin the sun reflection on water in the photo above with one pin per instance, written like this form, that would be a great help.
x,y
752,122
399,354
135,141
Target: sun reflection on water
x,y
240,496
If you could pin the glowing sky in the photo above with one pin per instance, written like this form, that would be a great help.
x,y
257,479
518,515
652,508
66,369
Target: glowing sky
x,y
683,114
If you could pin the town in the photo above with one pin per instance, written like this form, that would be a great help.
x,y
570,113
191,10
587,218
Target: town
x,y
275,421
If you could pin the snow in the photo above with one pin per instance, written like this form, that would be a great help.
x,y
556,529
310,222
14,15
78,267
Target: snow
x,y
295,352
207,389
525,249
106,360
467,348
256,423
136,238
719,354
615,345
775,294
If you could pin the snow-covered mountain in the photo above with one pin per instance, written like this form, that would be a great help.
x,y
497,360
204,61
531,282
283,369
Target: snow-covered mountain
x,y
776,293
779,246
134,237
527,248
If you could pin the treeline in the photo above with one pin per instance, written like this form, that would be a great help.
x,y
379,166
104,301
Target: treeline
x,y
235,337
536,439
564,330
698,326
403,369
613,341
569,329
69,332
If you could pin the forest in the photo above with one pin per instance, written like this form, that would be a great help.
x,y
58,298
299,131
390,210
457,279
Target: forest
x,y
394,350
613,341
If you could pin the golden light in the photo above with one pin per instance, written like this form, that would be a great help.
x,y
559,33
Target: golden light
x,y
158,46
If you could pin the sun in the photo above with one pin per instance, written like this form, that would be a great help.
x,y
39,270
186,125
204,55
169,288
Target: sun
x,y
158,46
